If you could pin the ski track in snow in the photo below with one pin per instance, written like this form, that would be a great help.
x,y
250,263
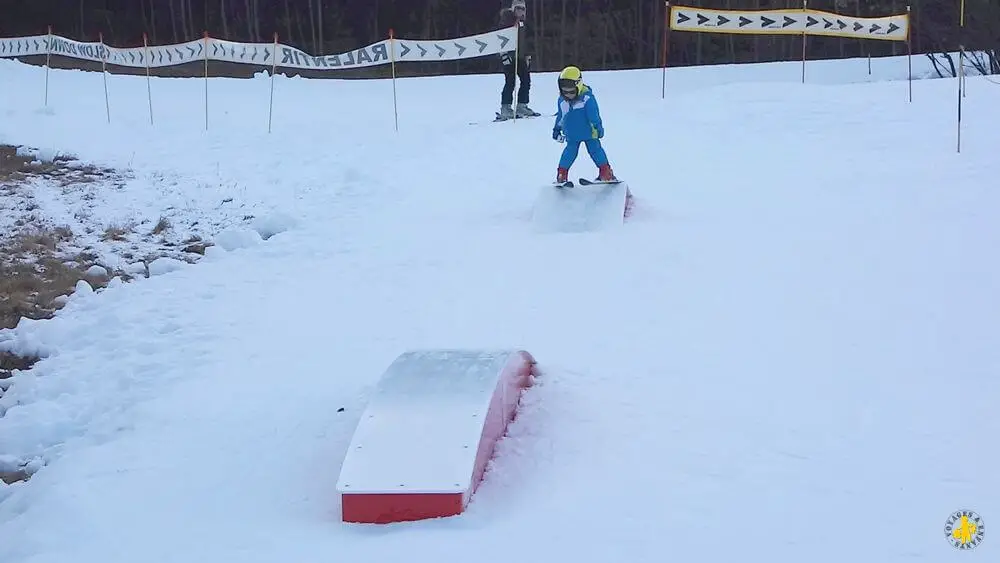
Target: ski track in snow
x,y
789,353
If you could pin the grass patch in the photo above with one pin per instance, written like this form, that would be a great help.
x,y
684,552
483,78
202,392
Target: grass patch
x,y
33,279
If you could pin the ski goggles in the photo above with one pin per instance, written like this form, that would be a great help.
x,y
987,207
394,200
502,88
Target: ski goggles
x,y
567,86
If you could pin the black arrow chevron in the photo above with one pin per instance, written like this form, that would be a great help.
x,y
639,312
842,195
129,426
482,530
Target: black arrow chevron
x,y
857,26
702,19
827,24
875,27
788,21
461,48
482,45
811,21
440,49
765,21
503,41
682,17
841,24
744,21
723,20
190,48
403,49
892,27
423,51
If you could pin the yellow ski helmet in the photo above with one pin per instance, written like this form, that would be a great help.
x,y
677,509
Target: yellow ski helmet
x,y
570,80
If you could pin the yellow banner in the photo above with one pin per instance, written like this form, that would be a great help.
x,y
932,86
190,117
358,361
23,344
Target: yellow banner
x,y
789,22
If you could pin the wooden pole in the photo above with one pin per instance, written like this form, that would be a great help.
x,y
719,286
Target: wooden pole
x,y
48,64
274,69
663,50
206,80
104,73
149,88
392,56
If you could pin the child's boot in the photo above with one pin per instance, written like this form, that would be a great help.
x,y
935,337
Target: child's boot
x,y
562,175
606,175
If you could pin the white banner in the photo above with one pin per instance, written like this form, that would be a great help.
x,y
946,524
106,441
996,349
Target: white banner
x,y
793,22
376,54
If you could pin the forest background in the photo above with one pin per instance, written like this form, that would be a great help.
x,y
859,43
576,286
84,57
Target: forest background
x,y
591,34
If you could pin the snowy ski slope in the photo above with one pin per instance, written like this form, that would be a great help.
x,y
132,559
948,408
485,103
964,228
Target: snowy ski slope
x,y
788,354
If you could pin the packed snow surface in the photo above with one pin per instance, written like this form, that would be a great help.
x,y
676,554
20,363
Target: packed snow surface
x,y
788,354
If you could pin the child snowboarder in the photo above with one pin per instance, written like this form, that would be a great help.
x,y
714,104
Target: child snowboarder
x,y
578,120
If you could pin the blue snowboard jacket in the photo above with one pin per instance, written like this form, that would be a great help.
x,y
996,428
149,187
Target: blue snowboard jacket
x,y
579,119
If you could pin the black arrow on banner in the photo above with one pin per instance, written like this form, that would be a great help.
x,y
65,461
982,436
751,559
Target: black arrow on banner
x,y
827,24
440,49
180,54
482,45
788,21
682,17
875,27
810,21
702,19
841,24
403,49
266,54
215,49
190,48
423,52
745,21
892,27
766,21
723,20
461,48
503,41
857,26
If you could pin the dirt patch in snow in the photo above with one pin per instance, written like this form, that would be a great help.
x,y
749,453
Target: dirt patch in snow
x,y
42,260
52,245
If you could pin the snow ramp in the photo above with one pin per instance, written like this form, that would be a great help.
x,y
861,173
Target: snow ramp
x,y
421,447
581,208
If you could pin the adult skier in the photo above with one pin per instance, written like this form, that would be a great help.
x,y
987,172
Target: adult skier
x,y
508,18
578,120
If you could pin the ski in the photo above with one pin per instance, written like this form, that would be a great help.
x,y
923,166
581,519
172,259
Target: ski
x,y
566,184
586,182
499,118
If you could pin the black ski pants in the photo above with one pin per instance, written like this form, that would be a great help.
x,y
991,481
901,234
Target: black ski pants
x,y
523,73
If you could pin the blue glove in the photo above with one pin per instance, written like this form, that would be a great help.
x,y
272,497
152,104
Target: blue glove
x,y
600,131
556,131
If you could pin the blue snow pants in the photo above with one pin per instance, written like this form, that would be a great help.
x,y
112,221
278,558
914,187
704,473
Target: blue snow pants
x,y
572,149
